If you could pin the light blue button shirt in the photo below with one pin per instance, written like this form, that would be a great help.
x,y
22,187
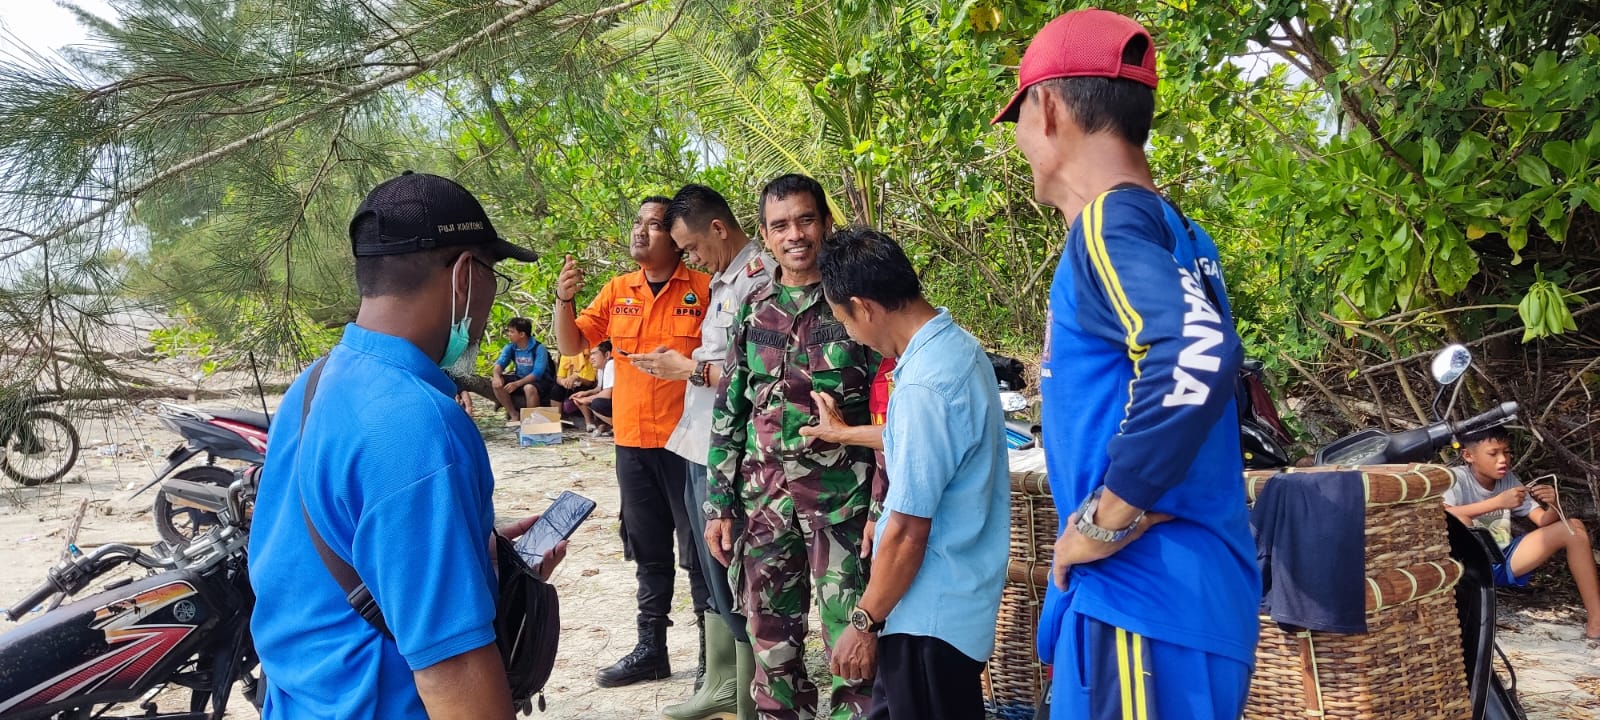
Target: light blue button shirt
x,y
944,445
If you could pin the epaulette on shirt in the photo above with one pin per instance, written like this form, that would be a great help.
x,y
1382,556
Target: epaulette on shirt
x,y
755,267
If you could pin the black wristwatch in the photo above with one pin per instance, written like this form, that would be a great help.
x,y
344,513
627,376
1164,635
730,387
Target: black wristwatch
x,y
862,621
699,377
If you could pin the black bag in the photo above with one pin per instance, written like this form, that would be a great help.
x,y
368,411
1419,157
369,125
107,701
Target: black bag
x,y
527,626
527,611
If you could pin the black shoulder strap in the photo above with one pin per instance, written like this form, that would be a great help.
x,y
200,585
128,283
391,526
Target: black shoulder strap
x,y
355,591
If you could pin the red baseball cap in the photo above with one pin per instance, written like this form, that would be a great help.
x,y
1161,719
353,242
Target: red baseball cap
x,y
1081,43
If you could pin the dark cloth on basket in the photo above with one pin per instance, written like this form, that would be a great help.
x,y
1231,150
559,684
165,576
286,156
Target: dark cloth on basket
x,y
1310,541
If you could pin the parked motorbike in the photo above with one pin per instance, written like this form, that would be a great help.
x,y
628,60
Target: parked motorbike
x,y
230,433
37,446
1492,698
1262,435
186,624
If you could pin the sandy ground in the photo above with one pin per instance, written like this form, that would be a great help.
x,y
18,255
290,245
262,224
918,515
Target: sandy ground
x,y
123,445
124,448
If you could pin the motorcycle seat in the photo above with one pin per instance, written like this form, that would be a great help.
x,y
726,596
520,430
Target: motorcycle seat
x,y
248,417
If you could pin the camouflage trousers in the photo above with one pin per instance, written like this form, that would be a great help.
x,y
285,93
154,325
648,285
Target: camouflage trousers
x,y
782,561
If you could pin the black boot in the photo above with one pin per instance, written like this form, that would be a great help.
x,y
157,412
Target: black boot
x,y
648,661
700,672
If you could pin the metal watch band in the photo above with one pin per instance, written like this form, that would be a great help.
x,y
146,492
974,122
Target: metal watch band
x,y
1086,526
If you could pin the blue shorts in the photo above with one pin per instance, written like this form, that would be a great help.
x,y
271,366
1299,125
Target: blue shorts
x,y
1103,672
1502,570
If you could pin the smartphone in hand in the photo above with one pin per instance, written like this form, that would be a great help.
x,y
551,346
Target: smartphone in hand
x,y
555,524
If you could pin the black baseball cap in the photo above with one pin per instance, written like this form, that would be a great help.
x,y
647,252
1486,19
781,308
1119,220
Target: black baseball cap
x,y
414,212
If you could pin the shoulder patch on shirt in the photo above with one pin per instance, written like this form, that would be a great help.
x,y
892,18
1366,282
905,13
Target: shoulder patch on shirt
x,y
831,332
767,337
756,267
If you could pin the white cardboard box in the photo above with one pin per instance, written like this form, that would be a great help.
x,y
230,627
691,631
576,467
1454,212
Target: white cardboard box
x,y
540,426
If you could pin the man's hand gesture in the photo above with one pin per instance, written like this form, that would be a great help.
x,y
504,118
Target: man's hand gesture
x,y
664,363
570,281
830,422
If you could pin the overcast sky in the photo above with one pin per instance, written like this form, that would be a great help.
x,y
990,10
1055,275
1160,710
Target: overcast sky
x,y
42,24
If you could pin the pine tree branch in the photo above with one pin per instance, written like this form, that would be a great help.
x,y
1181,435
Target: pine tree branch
x,y
600,14
349,97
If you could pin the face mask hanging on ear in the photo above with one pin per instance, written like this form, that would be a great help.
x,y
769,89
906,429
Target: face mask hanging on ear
x,y
457,345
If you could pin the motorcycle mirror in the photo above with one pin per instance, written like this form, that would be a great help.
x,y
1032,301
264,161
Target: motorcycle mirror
x,y
1451,363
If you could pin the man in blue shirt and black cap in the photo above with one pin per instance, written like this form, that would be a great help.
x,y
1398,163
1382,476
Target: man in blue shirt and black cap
x,y
393,476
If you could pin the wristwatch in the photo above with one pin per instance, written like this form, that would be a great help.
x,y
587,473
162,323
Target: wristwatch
x,y
863,622
698,378
1086,527
712,512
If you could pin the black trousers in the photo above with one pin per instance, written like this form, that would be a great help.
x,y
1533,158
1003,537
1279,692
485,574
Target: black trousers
x,y
925,678
651,483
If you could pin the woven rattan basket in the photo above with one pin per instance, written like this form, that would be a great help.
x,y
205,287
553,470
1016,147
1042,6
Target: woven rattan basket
x,y
1408,665
1015,677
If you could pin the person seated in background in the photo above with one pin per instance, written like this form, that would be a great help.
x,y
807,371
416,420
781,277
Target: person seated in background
x,y
1486,493
595,403
522,372
574,373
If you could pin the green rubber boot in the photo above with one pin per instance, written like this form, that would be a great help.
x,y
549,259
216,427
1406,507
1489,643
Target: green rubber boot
x,y
745,661
715,699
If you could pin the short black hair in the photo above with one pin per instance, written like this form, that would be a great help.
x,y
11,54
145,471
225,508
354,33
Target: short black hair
x,y
604,347
656,200
389,275
1497,432
783,186
1125,107
862,262
697,205
520,324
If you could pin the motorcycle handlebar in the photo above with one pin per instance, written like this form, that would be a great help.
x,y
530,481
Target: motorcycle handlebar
x,y
70,577
1487,418
15,612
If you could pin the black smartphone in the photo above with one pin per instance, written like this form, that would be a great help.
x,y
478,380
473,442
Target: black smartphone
x,y
557,523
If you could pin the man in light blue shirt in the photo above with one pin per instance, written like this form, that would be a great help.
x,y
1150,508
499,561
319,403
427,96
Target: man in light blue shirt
x,y
940,552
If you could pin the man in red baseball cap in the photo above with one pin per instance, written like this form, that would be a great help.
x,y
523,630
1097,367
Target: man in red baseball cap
x,y
1152,612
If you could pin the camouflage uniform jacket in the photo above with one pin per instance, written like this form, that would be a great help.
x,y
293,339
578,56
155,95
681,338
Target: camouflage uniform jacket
x,y
784,344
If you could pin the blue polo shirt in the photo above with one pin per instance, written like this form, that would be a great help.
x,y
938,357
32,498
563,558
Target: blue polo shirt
x,y
945,452
395,477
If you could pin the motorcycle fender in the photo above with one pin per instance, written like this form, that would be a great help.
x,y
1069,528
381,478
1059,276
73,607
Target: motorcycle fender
x,y
179,455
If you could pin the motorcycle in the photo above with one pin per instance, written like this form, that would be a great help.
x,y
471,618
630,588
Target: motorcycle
x,y
1262,435
1492,698
233,434
37,446
186,623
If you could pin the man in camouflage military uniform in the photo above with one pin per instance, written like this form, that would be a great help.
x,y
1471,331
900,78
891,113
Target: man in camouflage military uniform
x,y
806,500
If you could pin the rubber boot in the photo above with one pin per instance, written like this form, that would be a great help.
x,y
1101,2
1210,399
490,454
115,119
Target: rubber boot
x,y
716,699
648,661
745,664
